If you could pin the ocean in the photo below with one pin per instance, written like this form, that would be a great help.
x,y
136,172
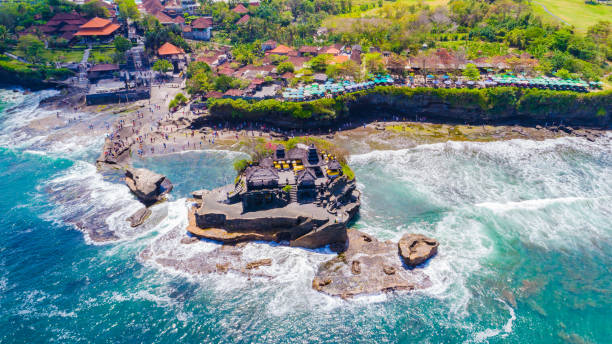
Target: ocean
x,y
525,256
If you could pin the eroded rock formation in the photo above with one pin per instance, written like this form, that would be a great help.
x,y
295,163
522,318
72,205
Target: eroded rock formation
x,y
148,186
415,249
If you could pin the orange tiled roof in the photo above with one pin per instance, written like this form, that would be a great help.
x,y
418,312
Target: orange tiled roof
x,y
332,50
340,58
169,49
96,23
107,30
281,49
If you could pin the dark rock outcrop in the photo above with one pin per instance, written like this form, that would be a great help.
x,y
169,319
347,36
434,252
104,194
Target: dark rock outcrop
x,y
148,186
415,249
302,225
139,217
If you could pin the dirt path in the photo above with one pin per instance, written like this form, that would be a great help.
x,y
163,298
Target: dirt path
x,y
552,14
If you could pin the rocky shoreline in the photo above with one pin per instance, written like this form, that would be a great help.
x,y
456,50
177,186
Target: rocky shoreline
x,y
362,266
365,266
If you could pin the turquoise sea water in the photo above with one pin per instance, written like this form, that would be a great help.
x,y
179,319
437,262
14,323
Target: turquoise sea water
x,y
525,256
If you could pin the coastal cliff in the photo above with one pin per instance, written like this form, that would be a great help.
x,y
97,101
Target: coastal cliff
x,y
503,105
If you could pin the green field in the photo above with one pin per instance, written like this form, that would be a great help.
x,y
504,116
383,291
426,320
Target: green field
x,y
59,55
101,55
574,12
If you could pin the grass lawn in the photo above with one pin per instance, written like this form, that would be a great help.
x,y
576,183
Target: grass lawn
x,y
59,55
574,12
375,11
101,55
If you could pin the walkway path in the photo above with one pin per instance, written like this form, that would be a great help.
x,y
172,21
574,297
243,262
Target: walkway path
x,y
83,67
136,51
552,14
15,57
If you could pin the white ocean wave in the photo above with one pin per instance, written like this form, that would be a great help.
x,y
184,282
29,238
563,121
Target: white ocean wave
x,y
505,330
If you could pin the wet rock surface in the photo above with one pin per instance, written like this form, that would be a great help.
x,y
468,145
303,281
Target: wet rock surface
x,y
148,186
139,217
257,263
415,249
368,266
192,255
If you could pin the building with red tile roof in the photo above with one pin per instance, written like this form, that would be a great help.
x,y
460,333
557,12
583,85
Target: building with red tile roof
x,y
214,94
331,50
298,61
339,59
233,93
97,27
281,50
240,9
169,49
163,18
105,70
152,6
308,50
245,19
268,45
200,29
64,24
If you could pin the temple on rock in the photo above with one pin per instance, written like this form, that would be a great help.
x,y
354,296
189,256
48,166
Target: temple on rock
x,y
300,195
300,174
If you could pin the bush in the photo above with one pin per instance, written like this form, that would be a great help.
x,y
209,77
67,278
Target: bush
x,y
241,165
347,171
29,75
162,66
284,67
178,100
487,102
471,72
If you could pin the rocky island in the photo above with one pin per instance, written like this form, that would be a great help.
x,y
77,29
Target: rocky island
x,y
301,196
298,195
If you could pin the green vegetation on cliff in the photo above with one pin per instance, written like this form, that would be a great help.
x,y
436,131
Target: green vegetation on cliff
x,y
29,75
490,101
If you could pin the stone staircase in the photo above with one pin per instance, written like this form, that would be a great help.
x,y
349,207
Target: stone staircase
x,y
83,68
293,194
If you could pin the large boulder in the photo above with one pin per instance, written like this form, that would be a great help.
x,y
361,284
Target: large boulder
x,y
148,186
415,249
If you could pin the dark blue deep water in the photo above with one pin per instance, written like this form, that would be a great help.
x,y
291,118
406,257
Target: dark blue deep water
x,y
525,257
